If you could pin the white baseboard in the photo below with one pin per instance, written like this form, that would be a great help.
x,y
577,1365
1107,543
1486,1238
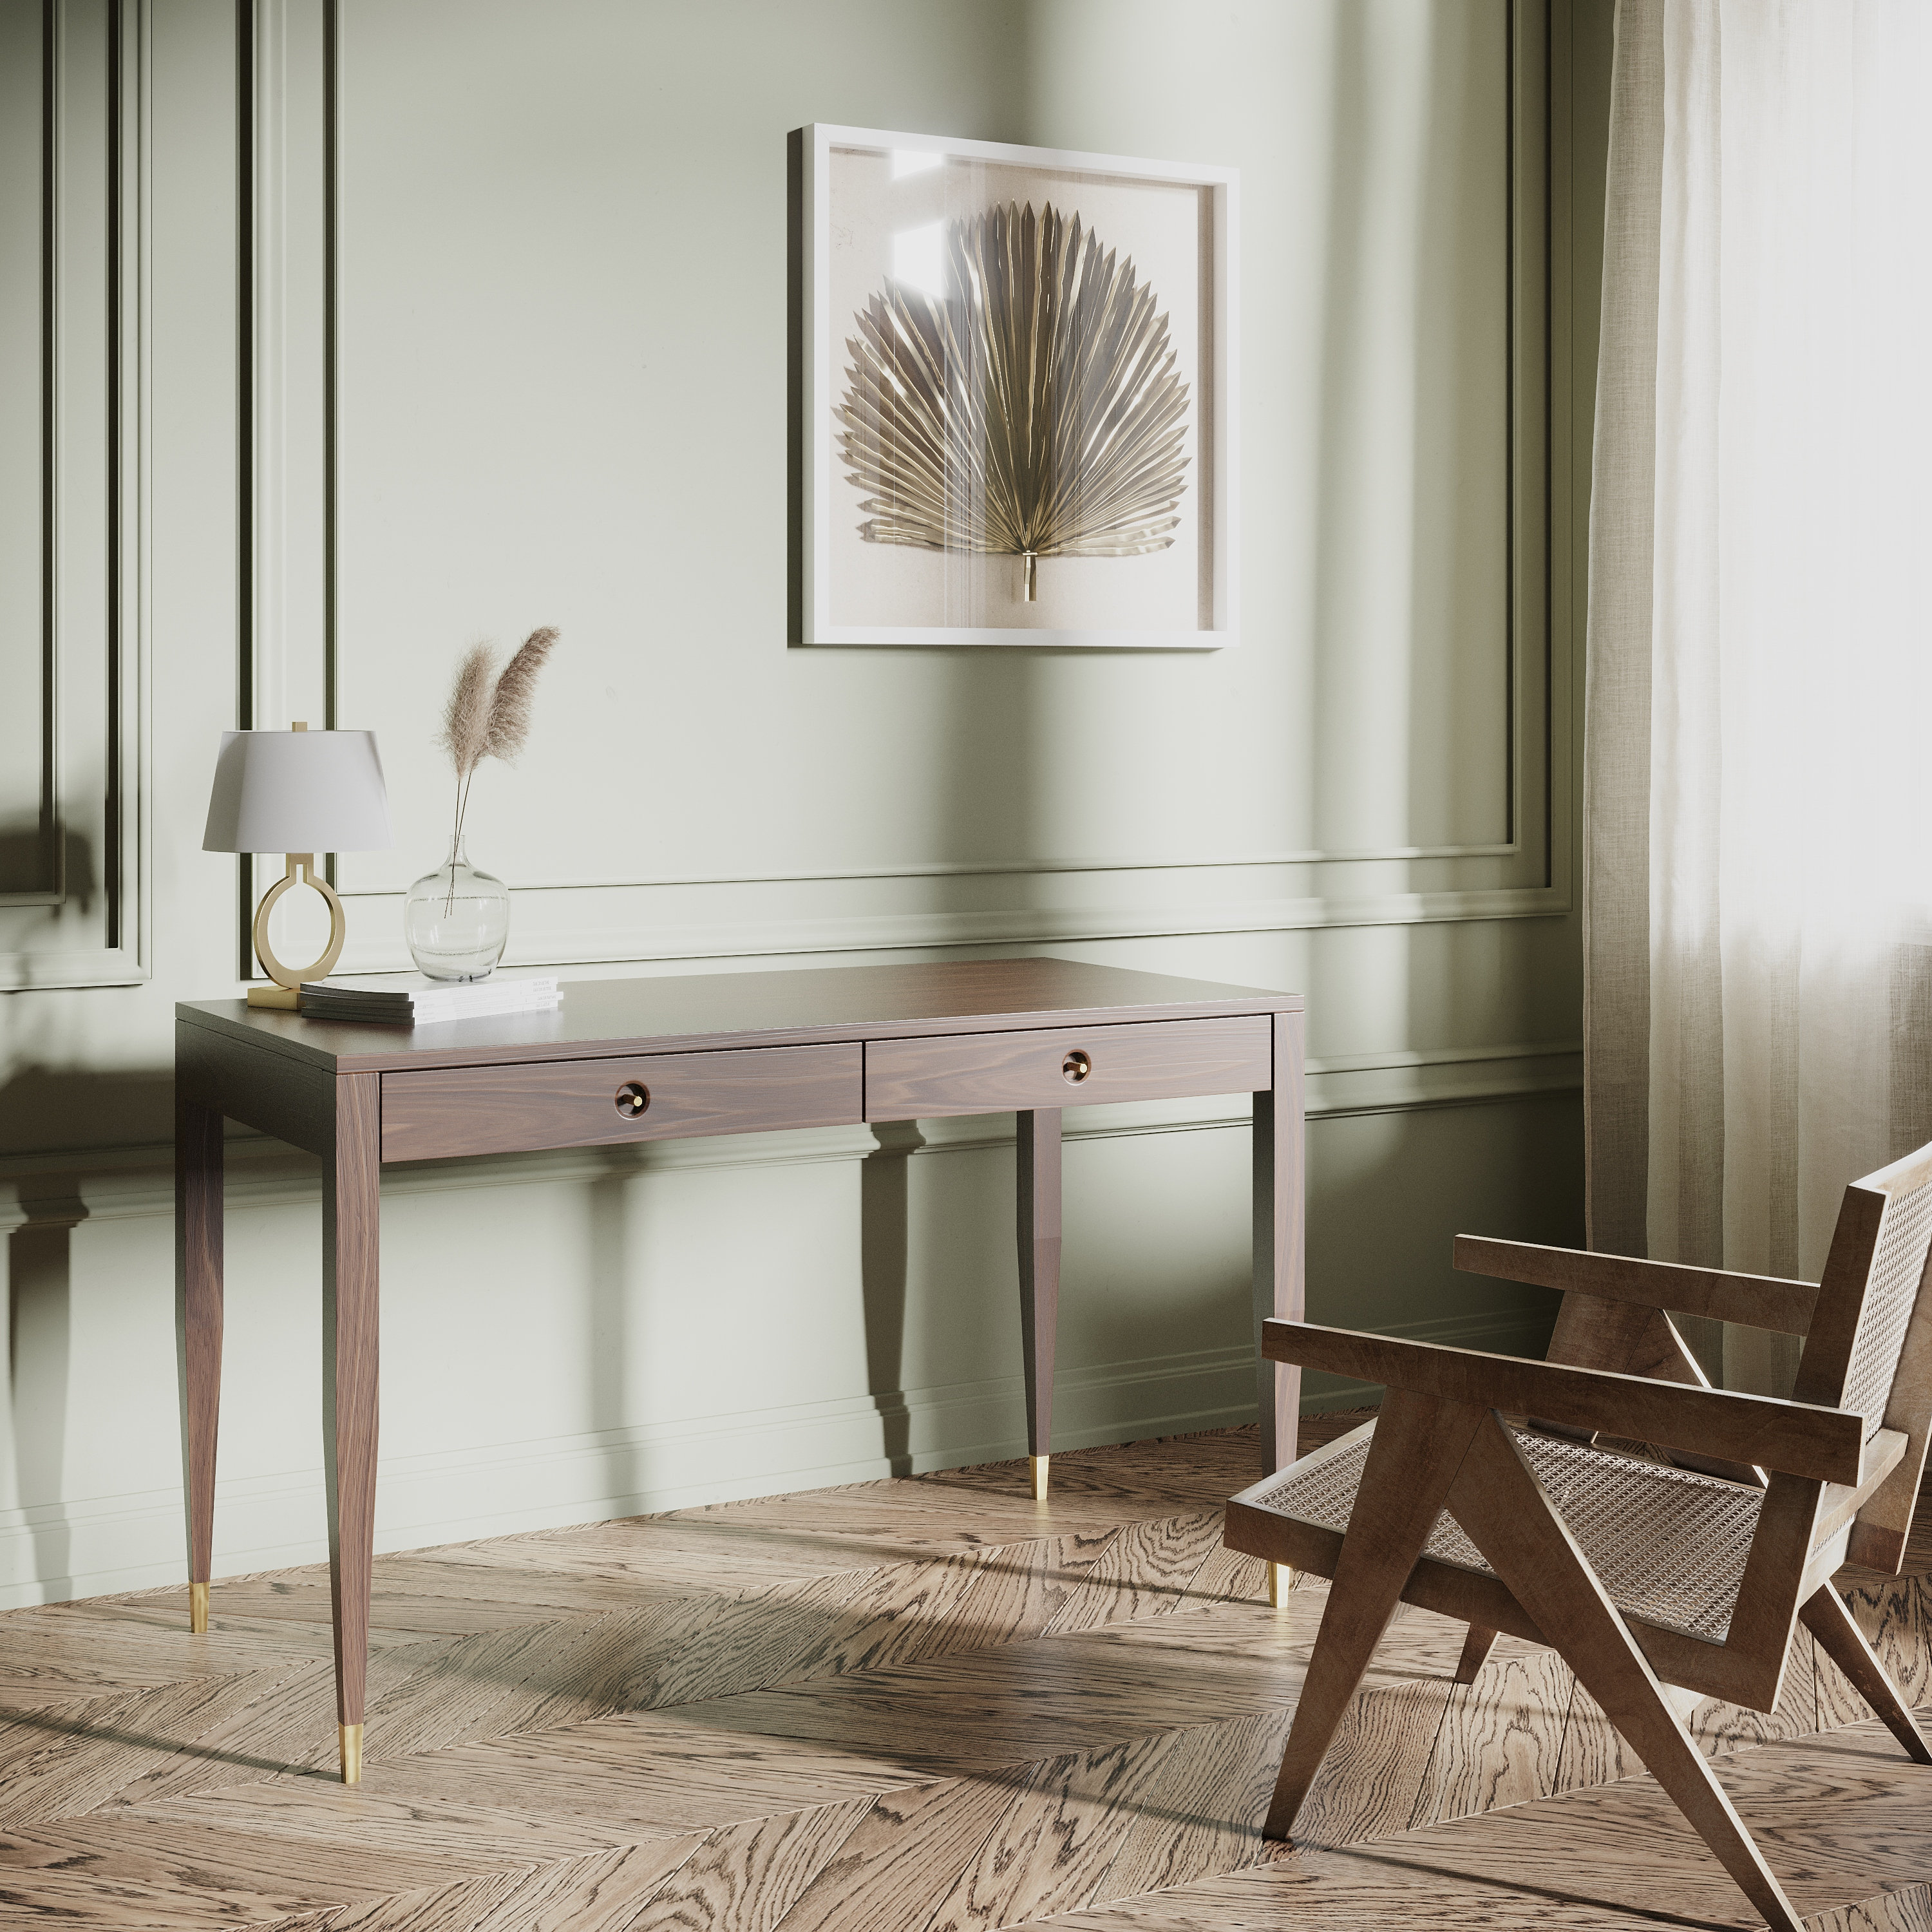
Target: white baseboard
x,y
133,1541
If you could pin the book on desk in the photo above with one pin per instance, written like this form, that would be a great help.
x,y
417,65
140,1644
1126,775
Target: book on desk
x,y
412,1000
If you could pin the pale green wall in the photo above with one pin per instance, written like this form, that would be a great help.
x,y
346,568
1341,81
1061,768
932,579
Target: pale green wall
x,y
561,395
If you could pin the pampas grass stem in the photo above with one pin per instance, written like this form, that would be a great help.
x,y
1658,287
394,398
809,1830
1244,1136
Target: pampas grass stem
x,y
487,715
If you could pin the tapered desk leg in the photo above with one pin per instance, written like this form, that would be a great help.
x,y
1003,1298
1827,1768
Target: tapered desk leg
x,y
350,1233
1280,1189
198,1215
1039,1278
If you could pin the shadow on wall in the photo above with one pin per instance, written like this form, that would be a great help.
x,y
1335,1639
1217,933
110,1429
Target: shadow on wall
x,y
29,858
44,1103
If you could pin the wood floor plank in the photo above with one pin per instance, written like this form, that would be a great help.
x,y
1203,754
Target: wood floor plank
x,y
1145,1571
905,1706
1051,1845
1908,1909
624,1772
470,1834
745,1878
1016,1590
1202,1814
888,1875
55,1764
601,1891
1500,1738
1837,1817
131,1874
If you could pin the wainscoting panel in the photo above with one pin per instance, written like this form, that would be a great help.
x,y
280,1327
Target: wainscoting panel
x,y
75,189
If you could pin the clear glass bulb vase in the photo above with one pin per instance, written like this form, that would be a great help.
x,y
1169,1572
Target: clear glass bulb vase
x,y
456,919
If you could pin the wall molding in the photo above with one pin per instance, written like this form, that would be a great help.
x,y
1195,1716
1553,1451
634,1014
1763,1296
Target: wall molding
x,y
987,868
94,926
298,133
133,1541
641,939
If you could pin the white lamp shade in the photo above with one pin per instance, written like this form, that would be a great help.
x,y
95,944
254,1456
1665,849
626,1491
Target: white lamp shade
x,y
298,791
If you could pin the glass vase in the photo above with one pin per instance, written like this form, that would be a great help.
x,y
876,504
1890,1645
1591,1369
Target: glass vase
x,y
456,919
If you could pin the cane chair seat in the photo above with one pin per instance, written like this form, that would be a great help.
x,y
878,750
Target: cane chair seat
x,y
1668,1545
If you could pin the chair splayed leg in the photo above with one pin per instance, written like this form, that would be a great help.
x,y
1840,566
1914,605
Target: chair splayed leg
x,y
1417,1447
1827,1617
1509,1517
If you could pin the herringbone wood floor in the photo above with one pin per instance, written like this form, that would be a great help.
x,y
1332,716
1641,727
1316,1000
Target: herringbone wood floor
x,y
905,1706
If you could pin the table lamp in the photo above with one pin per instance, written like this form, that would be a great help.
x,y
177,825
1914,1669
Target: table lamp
x,y
298,792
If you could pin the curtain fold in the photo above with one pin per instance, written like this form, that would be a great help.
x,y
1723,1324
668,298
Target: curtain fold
x,y
1758,873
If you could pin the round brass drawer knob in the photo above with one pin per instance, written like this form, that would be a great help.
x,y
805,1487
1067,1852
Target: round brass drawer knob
x,y
633,1097
1075,1067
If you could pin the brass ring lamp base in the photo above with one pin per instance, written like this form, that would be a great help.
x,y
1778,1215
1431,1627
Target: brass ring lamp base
x,y
285,992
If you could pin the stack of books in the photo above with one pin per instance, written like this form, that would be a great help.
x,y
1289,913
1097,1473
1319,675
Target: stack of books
x,y
393,1000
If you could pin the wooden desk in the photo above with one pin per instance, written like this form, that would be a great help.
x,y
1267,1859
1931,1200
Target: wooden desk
x,y
633,1060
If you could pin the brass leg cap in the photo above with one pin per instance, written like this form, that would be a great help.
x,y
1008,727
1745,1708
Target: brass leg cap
x,y
197,1609
1039,1463
1281,1580
350,1736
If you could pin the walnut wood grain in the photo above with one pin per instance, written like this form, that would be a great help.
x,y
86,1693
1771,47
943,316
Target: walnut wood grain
x,y
1064,1065
703,1054
198,1316
1038,1235
1279,1242
1800,1438
447,1112
350,1320
601,1018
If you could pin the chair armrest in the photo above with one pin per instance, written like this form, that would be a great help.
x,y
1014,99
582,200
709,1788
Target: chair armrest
x,y
1757,1300
1826,1445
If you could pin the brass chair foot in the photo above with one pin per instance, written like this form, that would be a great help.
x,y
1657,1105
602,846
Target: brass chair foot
x,y
1281,1580
350,1736
197,1609
1039,1463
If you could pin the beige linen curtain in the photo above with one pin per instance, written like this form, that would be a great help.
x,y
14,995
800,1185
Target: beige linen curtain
x,y
1758,870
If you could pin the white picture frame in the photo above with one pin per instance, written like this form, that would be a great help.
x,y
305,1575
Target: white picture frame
x,y
851,592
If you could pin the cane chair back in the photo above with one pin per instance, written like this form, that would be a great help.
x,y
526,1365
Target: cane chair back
x,y
1870,1347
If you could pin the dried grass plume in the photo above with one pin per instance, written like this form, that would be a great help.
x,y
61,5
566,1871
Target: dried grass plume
x,y
509,723
488,716
466,718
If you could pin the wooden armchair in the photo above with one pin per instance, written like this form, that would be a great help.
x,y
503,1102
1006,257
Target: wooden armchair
x,y
1692,1570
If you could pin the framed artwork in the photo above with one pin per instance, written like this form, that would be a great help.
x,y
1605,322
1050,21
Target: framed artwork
x,y
1018,374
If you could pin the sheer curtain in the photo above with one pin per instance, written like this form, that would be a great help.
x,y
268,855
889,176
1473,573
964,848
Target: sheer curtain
x,y
1758,776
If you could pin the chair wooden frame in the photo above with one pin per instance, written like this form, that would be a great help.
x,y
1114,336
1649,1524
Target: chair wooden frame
x,y
1836,1488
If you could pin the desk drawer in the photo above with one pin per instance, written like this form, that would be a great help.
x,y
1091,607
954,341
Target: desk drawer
x,y
600,1102
1073,1067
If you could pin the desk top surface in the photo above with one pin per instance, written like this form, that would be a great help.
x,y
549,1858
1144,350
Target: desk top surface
x,y
789,1008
